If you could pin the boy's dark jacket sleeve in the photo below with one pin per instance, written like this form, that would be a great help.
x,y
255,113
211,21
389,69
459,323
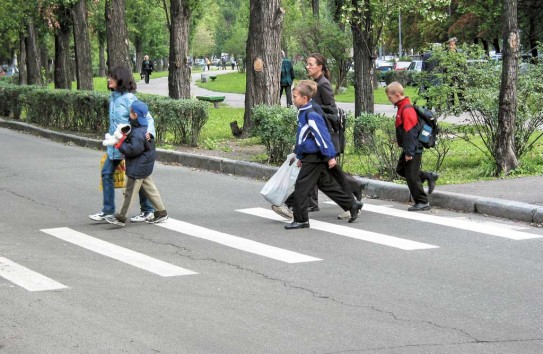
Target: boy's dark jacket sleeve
x,y
133,145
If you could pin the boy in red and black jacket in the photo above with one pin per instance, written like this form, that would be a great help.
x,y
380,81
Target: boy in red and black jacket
x,y
407,136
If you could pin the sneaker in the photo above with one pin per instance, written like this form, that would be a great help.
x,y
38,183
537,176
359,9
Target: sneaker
x,y
115,220
143,216
283,211
346,215
99,216
159,216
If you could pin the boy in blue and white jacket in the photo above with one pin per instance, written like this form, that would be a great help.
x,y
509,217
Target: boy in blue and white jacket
x,y
316,157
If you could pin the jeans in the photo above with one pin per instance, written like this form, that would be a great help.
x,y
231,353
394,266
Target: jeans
x,y
109,189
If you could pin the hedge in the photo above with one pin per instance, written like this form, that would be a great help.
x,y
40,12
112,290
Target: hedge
x,y
177,121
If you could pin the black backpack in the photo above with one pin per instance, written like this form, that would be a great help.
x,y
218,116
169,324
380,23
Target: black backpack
x,y
428,126
336,121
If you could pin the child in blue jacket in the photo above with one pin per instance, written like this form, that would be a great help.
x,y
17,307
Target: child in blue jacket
x,y
140,156
317,156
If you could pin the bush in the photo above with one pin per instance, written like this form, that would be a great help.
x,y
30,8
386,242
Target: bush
x,y
378,149
88,111
276,127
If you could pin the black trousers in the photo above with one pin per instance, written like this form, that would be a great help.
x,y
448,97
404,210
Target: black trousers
x,y
410,170
337,176
146,74
315,172
288,92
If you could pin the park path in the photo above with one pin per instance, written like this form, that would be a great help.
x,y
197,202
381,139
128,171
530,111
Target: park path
x,y
160,87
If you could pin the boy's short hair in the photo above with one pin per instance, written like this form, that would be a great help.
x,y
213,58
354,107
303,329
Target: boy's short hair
x,y
395,87
306,88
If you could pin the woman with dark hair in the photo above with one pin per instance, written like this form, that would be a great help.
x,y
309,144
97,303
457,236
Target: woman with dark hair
x,y
122,86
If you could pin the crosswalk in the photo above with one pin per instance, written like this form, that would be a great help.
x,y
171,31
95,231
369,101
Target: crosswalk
x,y
33,281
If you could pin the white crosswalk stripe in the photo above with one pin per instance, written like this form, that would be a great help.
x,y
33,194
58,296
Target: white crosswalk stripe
x,y
468,225
346,231
27,278
119,253
236,242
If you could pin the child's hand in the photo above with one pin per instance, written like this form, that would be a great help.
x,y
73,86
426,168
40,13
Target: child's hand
x,y
332,163
148,136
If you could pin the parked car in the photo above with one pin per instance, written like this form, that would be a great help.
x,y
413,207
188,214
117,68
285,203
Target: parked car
x,y
381,70
401,65
416,65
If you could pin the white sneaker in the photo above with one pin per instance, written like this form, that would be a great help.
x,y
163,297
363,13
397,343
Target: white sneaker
x,y
346,215
143,216
99,216
283,211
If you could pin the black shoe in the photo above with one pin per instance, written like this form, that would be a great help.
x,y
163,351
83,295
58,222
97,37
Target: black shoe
x,y
420,207
432,181
355,209
313,208
297,225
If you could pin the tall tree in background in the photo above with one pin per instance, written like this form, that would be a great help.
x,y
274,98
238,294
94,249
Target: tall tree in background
x,y
179,71
32,54
83,60
507,159
117,34
315,7
62,22
263,56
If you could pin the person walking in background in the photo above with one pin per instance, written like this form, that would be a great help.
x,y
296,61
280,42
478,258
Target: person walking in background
x,y
208,63
316,157
407,133
121,84
140,154
287,77
146,68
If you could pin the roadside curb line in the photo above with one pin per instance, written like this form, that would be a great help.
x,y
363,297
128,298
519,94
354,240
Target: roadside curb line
x,y
497,207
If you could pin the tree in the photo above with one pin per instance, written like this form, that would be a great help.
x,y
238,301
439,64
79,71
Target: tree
x,y
32,55
117,34
263,60
179,72
62,22
506,158
83,58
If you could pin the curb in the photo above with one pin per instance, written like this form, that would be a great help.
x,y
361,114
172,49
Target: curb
x,y
497,207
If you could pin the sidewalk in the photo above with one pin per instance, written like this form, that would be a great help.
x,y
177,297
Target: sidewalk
x,y
160,87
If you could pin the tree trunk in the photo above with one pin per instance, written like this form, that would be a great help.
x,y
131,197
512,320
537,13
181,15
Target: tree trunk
x,y
63,77
363,68
138,44
44,60
22,60
102,72
363,64
263,62
83,60
179,70
315,7
117,34
505,154
32,56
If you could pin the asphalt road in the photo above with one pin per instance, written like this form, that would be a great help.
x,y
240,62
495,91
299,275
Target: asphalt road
x,y
222,277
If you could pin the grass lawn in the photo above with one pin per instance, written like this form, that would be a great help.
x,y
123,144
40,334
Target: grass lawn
x,y
235,83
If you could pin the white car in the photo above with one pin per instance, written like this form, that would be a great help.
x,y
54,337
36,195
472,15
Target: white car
x,y
416,65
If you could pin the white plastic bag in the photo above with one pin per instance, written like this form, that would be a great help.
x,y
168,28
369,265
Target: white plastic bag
x,y
281,184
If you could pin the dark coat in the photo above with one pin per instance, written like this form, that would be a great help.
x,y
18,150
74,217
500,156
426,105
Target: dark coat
x,y
287,72
140,154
